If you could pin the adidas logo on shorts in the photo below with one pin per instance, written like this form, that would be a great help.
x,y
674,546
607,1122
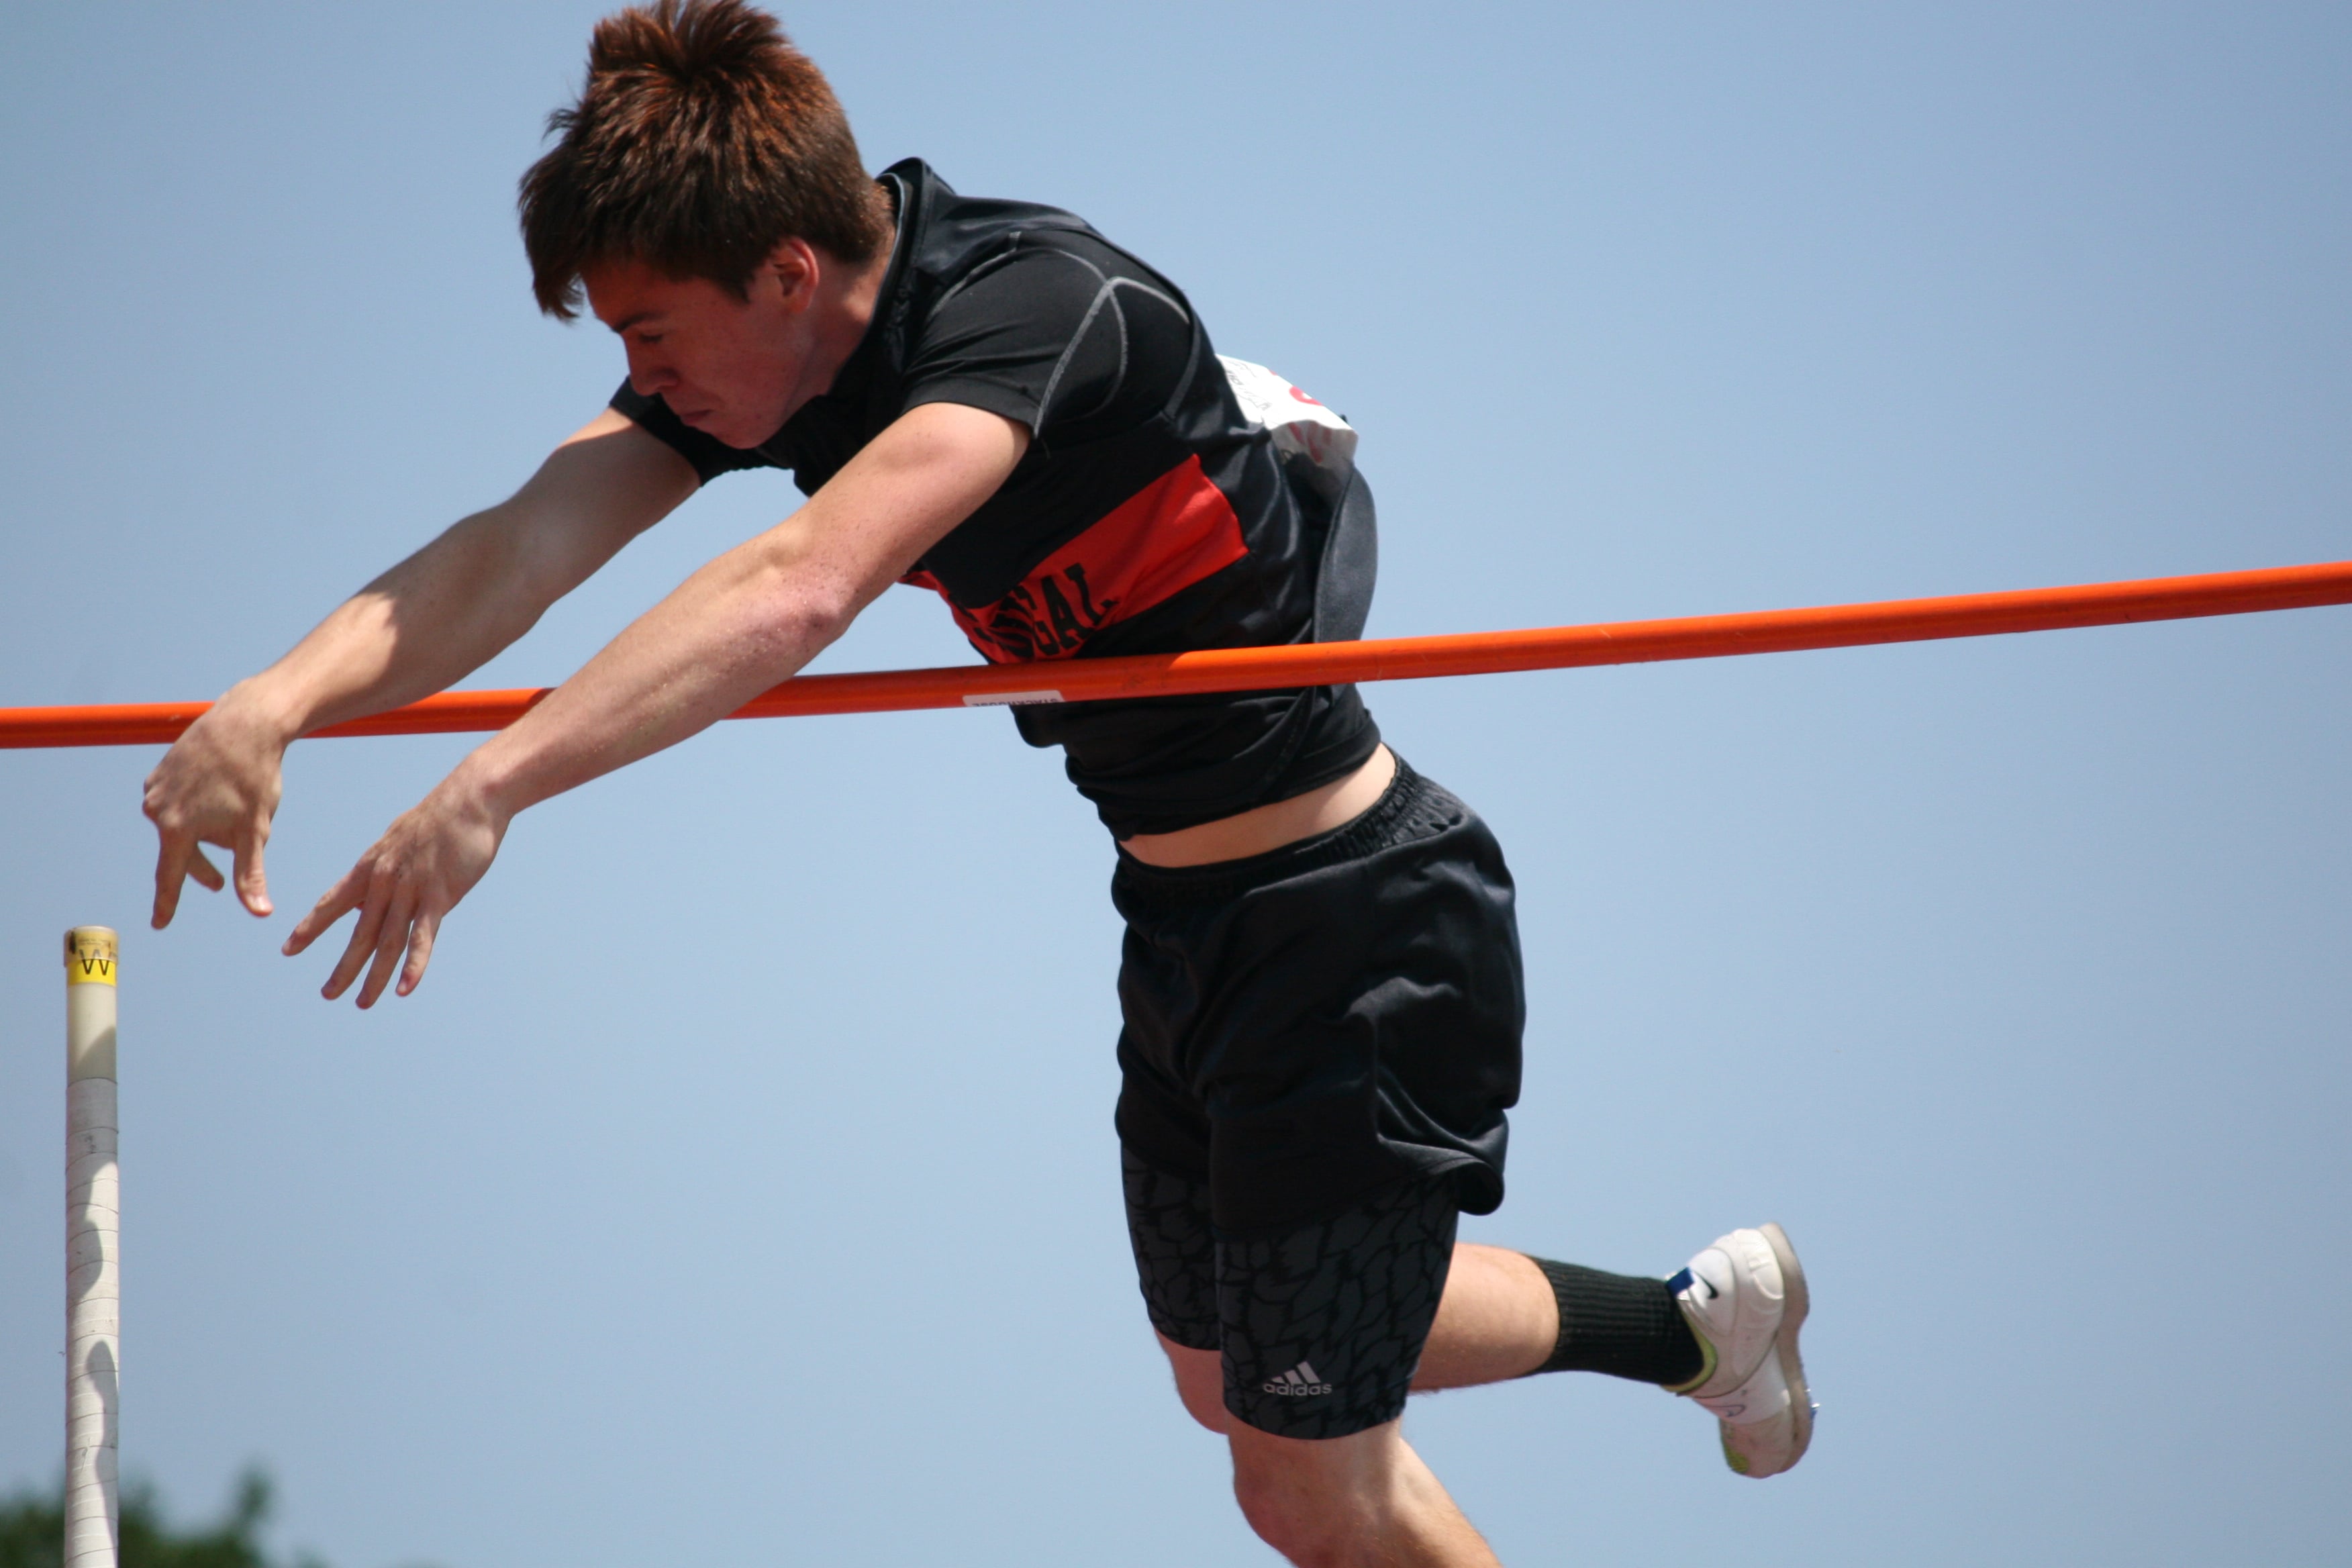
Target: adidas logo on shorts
x,y
1301,1382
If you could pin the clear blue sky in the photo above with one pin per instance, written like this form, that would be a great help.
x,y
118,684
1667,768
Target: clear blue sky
x,y
740,1185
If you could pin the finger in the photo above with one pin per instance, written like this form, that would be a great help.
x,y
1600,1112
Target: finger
x,y
363,935
252,887
392,938
333,905
171,853
201,867
420,952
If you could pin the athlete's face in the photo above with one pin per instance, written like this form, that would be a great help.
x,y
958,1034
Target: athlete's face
x,y
735,369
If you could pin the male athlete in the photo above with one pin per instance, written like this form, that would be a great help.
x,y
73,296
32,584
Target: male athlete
x,y
1320,983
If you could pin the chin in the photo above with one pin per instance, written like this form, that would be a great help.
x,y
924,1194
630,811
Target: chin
x,y
733,434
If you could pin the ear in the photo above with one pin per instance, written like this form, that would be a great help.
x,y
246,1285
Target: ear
x,y
792,269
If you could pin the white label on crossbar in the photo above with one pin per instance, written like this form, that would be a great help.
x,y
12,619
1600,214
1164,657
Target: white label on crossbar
x,y
1009,698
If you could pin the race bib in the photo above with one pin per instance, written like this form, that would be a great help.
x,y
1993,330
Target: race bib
x,y
1314,443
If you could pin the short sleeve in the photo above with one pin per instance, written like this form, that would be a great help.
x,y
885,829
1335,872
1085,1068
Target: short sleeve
x,y
1055,339
709,456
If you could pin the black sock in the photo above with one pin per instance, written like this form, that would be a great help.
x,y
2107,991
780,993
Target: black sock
x,y
1616,1323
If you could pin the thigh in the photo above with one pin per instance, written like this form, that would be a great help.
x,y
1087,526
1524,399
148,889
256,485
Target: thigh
x,y
1321,1324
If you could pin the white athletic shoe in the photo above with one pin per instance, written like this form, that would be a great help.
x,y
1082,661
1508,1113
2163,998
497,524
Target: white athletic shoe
x,y
1745,1299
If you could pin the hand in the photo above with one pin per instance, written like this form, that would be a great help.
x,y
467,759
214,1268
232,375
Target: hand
x,y
423,864
219,784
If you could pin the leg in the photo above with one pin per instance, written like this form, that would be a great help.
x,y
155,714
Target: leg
x,y
1362,1499
1337,1502
1299,1347
1497,1320
1506,1314
1723,1331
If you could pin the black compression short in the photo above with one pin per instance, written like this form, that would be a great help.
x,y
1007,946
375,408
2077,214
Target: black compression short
x,y
1322,1325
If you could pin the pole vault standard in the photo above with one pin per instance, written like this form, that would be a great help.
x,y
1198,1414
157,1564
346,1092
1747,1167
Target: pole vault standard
x,y
1322,663
94,1253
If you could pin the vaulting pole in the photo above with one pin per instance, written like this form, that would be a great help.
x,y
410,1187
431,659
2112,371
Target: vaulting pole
x,y
93,1254
1322,663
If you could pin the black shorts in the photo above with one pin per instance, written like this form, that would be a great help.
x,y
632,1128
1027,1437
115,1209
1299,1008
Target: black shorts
x,y
1317,1028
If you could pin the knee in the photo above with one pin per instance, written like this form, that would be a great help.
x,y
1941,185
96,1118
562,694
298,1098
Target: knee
x,y
1304,1522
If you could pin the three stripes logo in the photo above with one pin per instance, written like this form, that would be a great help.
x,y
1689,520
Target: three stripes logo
x,y
1301,1382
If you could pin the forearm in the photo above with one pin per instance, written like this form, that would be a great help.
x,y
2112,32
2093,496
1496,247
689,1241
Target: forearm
x,y
430,621
735,628
755,616
449,609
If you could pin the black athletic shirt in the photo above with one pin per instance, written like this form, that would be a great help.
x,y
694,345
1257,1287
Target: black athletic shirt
x,y
1148,516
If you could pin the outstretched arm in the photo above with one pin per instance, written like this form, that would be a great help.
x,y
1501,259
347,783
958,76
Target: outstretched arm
x,y
433,619
746,621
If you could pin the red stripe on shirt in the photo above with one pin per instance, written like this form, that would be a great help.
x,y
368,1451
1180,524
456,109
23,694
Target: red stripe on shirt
x,y
1167,536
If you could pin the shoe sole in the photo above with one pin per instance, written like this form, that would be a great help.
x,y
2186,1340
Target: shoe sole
x,y
1793,1318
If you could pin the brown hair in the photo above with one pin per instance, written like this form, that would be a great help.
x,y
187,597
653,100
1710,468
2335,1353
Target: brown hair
x,y
701,140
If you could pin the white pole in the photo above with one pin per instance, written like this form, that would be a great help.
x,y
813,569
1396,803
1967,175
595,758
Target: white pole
x,y
93,1252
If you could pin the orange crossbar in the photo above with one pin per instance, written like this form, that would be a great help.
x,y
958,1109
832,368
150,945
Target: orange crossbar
x,y
1320,664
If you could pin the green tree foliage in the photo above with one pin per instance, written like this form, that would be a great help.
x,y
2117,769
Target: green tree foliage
x,y
33,1528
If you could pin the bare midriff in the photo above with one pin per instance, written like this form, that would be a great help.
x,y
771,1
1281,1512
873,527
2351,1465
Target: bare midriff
x,y
1266,827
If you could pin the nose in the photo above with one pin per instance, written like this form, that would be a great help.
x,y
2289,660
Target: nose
x,y
649,375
